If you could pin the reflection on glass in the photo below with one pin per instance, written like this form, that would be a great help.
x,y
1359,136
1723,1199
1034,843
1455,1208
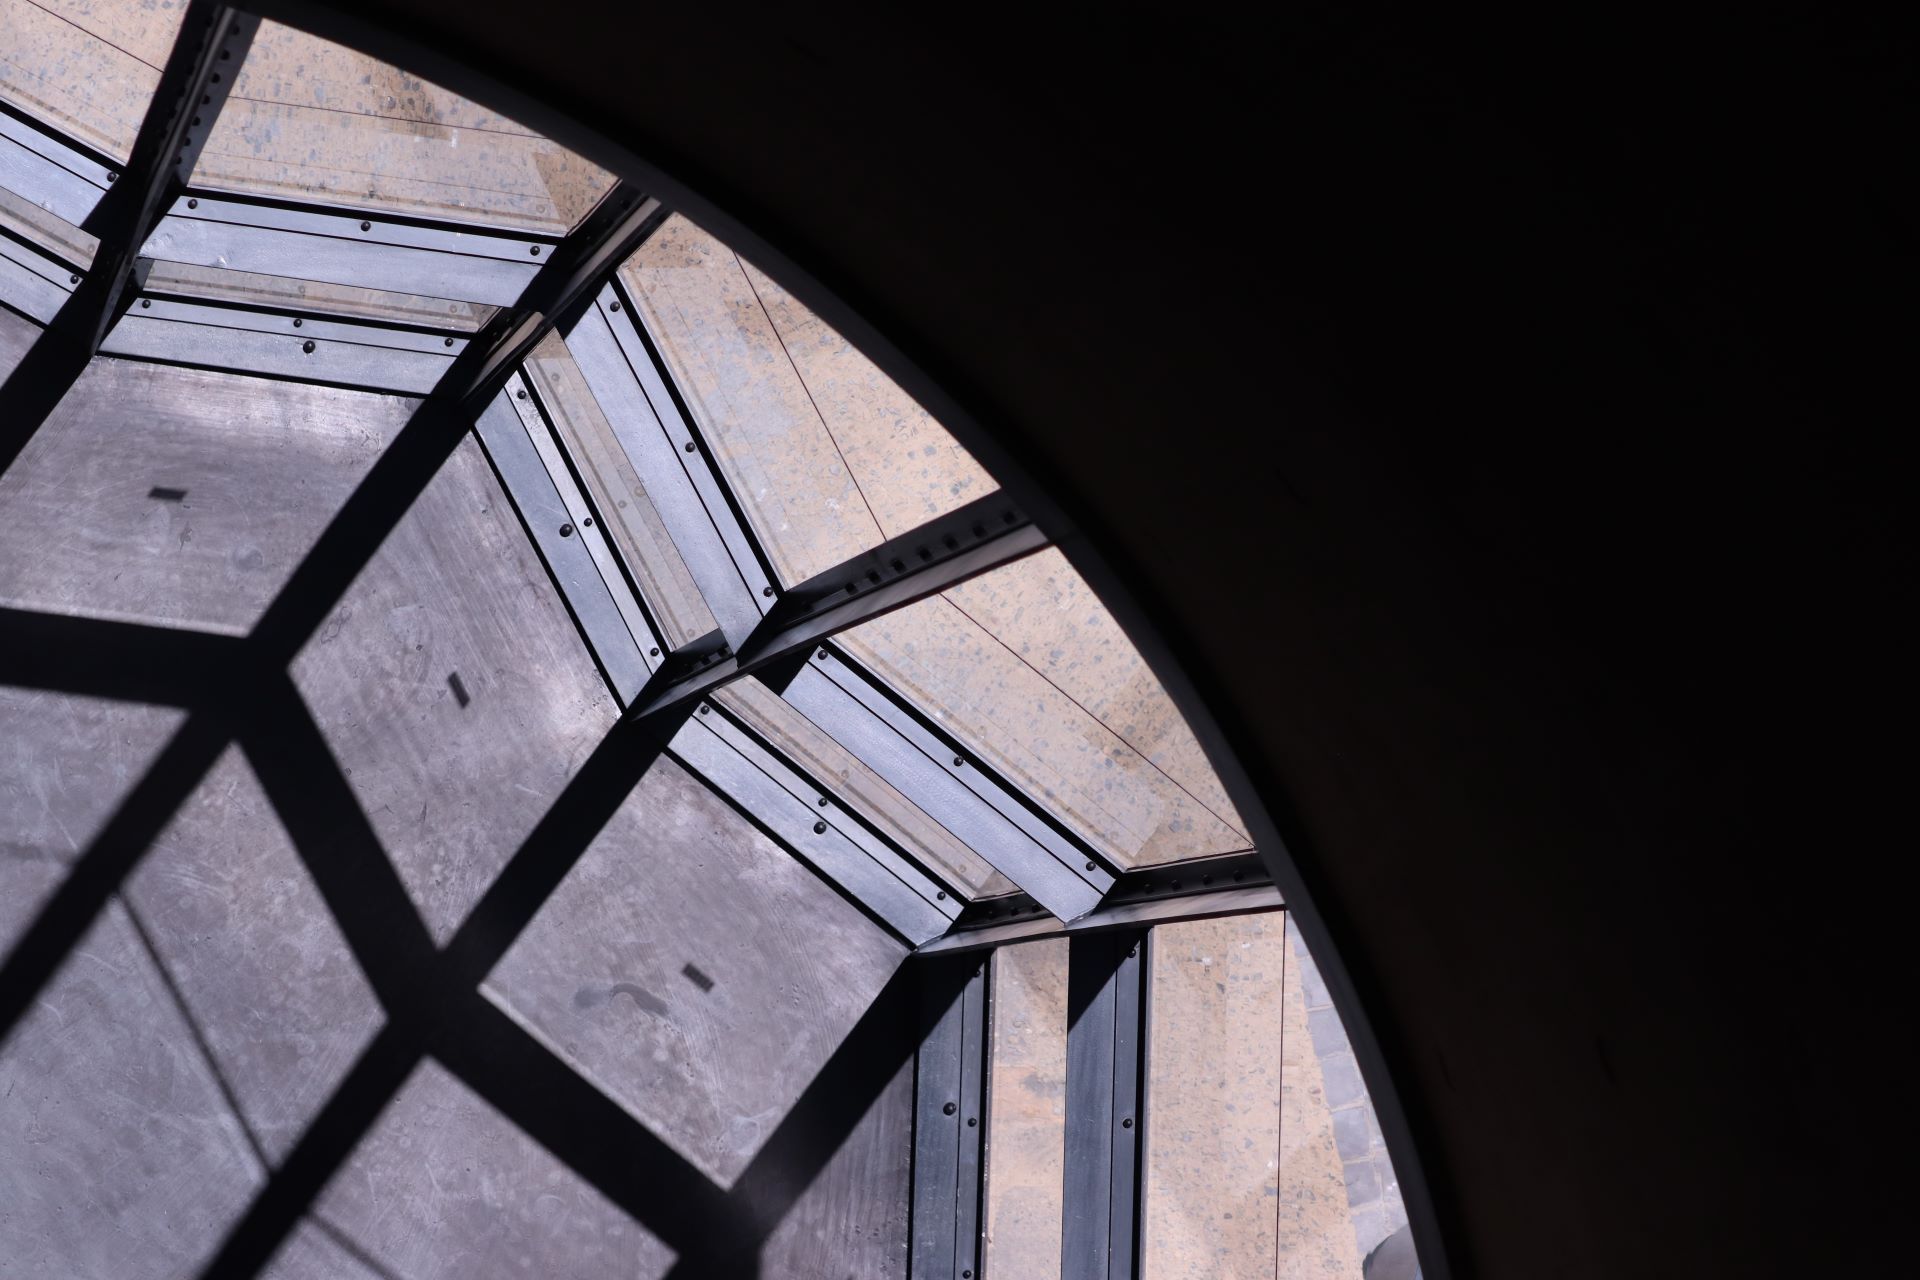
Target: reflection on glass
x,y
248,288
1213,1089
1030,672
1026,1110
641,536
864,791
826,454
312,121
54,234
695,971
85,68
447,1188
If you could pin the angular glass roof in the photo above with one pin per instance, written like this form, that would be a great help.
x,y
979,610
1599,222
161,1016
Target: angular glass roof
x,y
505,689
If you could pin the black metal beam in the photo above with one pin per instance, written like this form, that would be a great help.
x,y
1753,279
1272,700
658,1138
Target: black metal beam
x,y
922,562
200,70
194,84
1106,1051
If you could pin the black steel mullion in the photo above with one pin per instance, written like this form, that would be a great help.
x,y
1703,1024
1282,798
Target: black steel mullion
x,y
1105,1039
949,1122
918,580
969,1186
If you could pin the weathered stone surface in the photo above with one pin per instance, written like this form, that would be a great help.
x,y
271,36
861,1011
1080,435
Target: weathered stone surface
x,y
1026,1110
445,1188
452,785
1315,1232
255,954
695,971
65,765
310,120
119,1156
1214,1088
255,470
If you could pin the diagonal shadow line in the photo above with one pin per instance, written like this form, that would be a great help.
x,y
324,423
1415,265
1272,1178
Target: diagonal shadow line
x,y
125,661
556,843
376,506
375,1078
578,1123
839,1097
38,384
880,1044
134,826
340,849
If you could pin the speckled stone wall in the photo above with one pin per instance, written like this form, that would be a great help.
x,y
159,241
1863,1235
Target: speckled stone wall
x,y
1213,1099
828,455
309,120
1026,1111
1016,716
1315,1231
86,67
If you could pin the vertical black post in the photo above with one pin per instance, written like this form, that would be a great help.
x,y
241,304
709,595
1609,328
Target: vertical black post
x,y
1106,1043
949,1121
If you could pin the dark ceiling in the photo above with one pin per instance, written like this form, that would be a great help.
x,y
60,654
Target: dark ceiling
x,y
1484,416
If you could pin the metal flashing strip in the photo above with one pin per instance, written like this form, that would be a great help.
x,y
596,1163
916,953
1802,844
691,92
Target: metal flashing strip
x,y
792,821
365,357
949,1123
365,228
330,259
818,801
1106,1116
589,530
32,283
43,168
934,772
665,457
509,443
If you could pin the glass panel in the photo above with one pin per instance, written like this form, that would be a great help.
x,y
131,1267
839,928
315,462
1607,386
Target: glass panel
x,y
864,791
65,764
1030,672
1026,1110
446,1188
827,456
85,67
118,1155
695,971
54,234
309,120
256,957
454,689
1213,1097
140,497
661,575
249,288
